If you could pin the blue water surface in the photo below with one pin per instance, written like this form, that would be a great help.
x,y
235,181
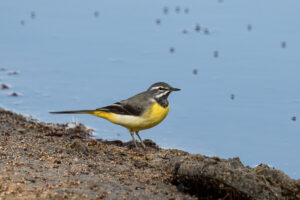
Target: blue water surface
x,y
68,58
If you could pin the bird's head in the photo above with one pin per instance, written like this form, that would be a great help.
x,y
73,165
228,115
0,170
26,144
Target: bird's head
x,y
161,90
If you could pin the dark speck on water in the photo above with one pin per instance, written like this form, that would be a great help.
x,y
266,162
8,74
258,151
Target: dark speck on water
x,y
197,28
216,54
195,71
206,31
186,10
13,73
232,96
283,44
166,10
294,118
22,22
172,49
32,15
158,21
2,69
249,27
184,31
177,9
96,13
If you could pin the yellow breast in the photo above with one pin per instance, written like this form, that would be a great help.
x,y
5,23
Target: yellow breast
x,y
150,118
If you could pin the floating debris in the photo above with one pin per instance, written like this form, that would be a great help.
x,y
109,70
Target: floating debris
x,y
195,71
14,94
206,31
184,31
177,9
283,44
197,28
13,73
166,10
157,21
172,49
33,15
96,14
249,27
186,10
216,54
232,96
22,22
4,87
294,118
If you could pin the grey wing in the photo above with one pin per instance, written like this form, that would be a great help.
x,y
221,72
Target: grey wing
x,y
133,106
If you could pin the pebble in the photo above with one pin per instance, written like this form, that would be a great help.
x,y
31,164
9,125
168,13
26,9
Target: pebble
x,y
14,94
195,71
4,87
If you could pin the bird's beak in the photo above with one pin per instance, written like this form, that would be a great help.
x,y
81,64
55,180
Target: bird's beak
x,y
175,89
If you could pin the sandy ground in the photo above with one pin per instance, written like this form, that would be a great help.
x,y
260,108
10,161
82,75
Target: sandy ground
x,y
54,161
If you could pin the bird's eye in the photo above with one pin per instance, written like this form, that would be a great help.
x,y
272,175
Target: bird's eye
x,y
161,88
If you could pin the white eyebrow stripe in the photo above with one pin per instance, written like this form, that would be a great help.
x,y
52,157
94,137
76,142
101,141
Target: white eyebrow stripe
x,y
161,94
154,88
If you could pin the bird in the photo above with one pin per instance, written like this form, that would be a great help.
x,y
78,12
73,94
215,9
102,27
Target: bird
x,y
139,112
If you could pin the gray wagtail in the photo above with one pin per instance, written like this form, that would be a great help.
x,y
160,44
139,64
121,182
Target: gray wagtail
x,y
142,111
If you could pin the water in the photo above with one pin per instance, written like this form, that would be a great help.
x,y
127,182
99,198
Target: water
x,y
68,58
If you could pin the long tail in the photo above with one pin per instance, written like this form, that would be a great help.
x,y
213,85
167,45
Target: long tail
x,y
75,112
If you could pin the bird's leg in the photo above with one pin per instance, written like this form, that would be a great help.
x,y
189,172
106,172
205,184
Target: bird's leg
x,y
143,145
132,135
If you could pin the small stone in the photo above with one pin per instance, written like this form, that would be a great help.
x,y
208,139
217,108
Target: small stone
x,y
14,94
177,9
232,96
172,49
4,87
283,44
294,118
186,10
195,71
96,14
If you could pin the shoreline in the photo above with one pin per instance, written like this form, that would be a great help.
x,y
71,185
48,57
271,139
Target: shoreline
x,y
54,161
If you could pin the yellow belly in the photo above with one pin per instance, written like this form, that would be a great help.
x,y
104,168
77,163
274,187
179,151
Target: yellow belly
x,y
136,123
